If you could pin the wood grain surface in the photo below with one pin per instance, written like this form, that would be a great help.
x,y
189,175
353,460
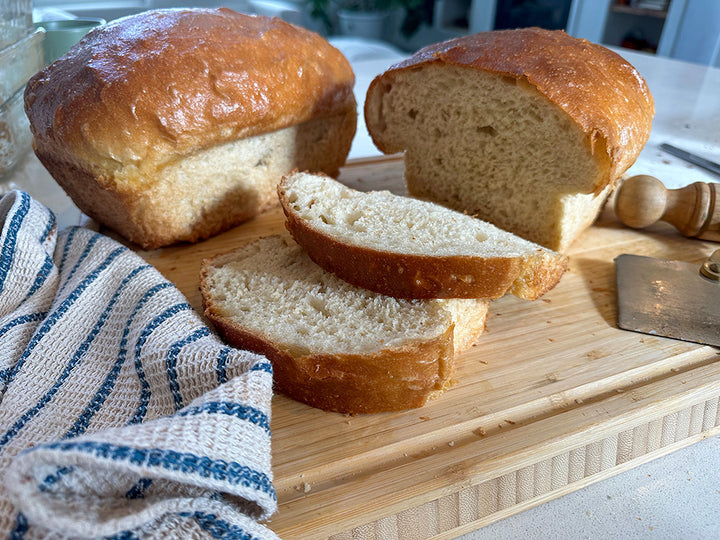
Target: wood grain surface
x,y
554,397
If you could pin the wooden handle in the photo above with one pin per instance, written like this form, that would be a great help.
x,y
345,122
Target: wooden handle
x,y
694,209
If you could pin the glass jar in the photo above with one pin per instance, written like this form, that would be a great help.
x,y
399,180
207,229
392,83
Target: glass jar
x,y
15,21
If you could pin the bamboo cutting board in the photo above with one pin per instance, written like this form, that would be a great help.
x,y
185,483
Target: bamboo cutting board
x,y
554,397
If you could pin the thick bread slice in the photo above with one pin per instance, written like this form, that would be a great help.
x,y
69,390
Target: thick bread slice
x,y
332,345
528,129
407,248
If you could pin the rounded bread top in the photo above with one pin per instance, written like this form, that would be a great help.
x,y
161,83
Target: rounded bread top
x,y
164,83
596,87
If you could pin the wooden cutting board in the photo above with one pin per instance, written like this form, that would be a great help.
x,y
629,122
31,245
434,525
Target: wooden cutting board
x,y
554,397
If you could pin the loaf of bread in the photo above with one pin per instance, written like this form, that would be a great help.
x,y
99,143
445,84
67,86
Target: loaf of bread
x,y
529,129
334,346
408,248
174,125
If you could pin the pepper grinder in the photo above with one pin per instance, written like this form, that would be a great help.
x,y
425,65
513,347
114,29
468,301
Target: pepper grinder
x,y
694,209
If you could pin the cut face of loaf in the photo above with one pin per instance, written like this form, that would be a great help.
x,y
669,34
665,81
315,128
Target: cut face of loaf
x,y
528,129
408,248
209,190
332,345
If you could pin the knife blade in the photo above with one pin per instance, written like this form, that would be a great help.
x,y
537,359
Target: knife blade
x,y
691,158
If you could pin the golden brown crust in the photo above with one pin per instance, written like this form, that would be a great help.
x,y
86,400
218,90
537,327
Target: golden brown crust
x,y
422,276
394,379
608,98
164,83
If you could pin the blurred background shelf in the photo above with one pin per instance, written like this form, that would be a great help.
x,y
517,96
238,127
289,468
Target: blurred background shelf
x,y
659,13
683,29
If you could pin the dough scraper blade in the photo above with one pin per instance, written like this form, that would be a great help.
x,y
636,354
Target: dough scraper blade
x,y
667,298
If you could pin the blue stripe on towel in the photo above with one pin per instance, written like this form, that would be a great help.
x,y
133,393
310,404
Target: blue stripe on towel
x,y
170,312
86,416
66,248
88,248
49,227
263,366
124,535
101,395
243,412
171,363
17,321
51,479
144,386
221,363
72,364
214,526
10,244
22,319
62,309
218,528
139,489
221,470
42,275
223,360
21,527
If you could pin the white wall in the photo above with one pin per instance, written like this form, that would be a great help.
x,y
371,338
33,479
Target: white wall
x,y
698,34
690,32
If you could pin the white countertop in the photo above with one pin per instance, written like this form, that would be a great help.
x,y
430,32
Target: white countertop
x,y
677,495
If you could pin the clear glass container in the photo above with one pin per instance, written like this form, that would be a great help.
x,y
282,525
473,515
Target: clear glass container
x,y
21,56
15,20
20,61
15,136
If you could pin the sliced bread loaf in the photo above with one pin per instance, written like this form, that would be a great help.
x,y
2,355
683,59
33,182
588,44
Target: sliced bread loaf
x,y
528,129
334,346
408,248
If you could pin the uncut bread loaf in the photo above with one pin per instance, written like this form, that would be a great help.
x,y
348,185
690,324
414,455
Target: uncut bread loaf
x,y
174,125
529,129
408,248
334,346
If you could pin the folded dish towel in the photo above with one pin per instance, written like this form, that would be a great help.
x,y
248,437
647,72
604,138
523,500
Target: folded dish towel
x,y
121,413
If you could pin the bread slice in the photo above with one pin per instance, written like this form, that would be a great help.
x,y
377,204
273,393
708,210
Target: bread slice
x,y
408,248
334,346
529,129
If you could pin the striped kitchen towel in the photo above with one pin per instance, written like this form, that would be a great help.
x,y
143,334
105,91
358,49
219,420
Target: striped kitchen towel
x,y
121,413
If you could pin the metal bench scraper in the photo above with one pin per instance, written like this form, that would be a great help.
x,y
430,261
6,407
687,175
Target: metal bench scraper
x,y
670,298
